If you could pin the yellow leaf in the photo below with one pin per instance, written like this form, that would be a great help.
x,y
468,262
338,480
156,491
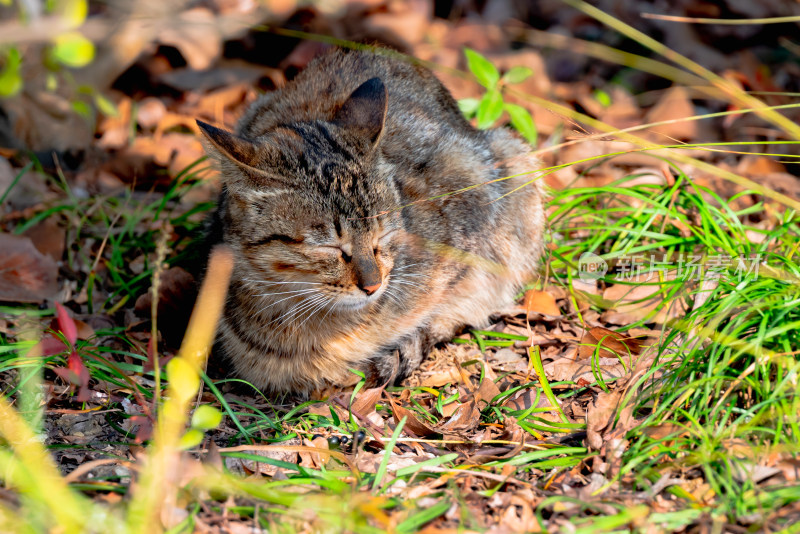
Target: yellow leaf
x,y
73,49
183,379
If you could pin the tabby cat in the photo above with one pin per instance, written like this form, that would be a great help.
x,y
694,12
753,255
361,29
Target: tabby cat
x,y
368,221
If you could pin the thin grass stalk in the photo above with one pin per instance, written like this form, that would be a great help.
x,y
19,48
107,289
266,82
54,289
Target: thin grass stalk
x,y
156,491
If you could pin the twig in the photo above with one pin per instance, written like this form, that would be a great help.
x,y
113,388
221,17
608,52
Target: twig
x,y
82,469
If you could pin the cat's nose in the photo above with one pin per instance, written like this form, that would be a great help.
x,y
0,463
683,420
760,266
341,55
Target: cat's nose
x,y
369,290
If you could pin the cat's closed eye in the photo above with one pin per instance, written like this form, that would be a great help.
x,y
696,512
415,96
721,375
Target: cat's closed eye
x,y
331,250
278,238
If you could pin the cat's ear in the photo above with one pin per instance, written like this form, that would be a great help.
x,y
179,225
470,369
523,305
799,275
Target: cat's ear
x,y
364,112
237,149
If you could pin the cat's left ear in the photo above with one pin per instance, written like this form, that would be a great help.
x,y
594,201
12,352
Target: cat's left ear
x,y
364,112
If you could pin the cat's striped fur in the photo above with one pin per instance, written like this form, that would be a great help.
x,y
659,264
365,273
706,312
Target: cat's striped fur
x,y
345,258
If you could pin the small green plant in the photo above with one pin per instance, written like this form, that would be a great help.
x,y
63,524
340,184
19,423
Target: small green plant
x,y
491,106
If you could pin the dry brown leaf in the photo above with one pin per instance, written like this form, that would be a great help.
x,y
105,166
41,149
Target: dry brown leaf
x,y
85,331
623,111
611,344
150,111
465,418
48,238
368,462
607,406
674,104
320,408
662,431
282,455
600,416
540,302
442,377
313,459
173,151
753,166
404,28
366,399
413,424
26,275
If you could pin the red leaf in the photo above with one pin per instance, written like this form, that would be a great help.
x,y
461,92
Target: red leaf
x,y
75,364
51,345
77,374
66,324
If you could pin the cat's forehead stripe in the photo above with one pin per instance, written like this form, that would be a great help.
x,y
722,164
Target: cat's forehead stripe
x,y
258,194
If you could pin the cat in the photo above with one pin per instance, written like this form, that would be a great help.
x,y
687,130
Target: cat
x,y
369,221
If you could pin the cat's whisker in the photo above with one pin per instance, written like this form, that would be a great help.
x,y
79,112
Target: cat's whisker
x,y
295,292
333,307
313,312
406,266
306,291
310,309
268,282
403,273
276,282
410,275
281,319
300,310
411,278
395,298
409,283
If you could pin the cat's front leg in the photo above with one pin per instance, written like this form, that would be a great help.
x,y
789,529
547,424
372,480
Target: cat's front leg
x,y
393,363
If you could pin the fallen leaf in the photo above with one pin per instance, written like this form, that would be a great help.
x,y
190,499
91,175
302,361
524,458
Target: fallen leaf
x,y
442,377
600,416
745,470
413,424
150,111
269,469
540,302
466,417
527,398
570,367
76,374
313,459
48,238
753,166
674,105
366,399
26,275
487,391
610,344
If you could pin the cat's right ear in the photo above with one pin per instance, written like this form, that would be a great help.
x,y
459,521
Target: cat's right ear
x,y
228,148
223,143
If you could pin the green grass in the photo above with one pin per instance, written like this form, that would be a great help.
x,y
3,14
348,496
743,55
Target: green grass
x,y
725,375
